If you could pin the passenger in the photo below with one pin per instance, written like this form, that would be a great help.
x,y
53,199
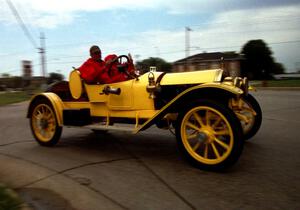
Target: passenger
x,y
92,69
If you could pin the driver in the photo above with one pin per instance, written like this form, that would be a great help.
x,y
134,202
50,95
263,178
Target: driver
x,y
117,71
95,70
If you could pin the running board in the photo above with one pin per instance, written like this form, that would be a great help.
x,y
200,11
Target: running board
x,y
116,127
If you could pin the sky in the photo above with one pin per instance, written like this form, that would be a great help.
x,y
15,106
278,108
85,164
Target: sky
x,y
144,28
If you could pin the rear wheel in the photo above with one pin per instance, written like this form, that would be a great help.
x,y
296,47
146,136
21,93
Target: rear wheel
x,y
43,123
209,135
249,113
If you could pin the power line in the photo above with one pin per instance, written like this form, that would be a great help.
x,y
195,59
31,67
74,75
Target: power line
x,y
21,23
170,52
180,51
224,23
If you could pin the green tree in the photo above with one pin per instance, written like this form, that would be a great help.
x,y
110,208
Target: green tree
x,y
259,62
54,77
278,68
17,82
159,63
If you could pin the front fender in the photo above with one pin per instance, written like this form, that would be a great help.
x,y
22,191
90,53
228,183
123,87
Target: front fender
x,y
54,99
199,90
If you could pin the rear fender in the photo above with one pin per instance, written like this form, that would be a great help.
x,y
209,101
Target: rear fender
x,y
215,91
56,102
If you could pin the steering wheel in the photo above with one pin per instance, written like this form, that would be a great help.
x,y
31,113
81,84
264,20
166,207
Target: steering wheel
x,y
123,61
120,59
123,65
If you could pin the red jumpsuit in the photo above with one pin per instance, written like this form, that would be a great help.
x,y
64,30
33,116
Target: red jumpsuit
x,y
112,70
100,72
91,70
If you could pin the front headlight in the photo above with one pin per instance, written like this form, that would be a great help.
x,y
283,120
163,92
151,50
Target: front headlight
x,y
242,83
245,85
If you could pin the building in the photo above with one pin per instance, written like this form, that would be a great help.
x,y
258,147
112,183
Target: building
x,y
228,61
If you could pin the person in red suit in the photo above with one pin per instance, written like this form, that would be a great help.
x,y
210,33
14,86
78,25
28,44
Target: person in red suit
x,y
91,69
95,70
117,71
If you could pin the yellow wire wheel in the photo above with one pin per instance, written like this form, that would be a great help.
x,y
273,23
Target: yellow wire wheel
x,y
249,113
44,124
209,135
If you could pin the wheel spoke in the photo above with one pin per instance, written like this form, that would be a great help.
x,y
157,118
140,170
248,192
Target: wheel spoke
x,y
192,136
196,146
189,124
199,119
222,132
225,146
205,150
48,116
216,122
39,112
37,116
242,117
43,110
43,132
215,150
207,117
250,110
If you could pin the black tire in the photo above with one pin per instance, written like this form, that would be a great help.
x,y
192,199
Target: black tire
x,y
251,101
40,126
99,132
229,146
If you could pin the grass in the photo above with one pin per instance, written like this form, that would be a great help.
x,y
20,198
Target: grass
x,y
8,199
13,97
278,83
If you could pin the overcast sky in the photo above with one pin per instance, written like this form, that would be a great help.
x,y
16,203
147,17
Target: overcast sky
x,y
145,28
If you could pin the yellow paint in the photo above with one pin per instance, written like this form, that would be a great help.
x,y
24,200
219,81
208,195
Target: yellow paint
x,y
56,103
75,84
76,105
194,77
232,89
134,101
124,101
95,93
101,110
134,95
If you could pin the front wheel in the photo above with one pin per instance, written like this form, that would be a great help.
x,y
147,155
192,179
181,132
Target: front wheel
x,y
209,135
43,123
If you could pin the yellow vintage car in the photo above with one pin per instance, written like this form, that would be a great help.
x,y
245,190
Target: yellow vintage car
x,y
211,116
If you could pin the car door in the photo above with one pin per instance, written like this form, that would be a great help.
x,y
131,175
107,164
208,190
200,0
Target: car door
x,y
124,101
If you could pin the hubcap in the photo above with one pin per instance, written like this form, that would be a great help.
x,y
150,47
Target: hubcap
x,y
202,137
44,123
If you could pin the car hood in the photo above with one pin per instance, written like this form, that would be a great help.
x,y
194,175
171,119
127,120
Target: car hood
x,y
193,77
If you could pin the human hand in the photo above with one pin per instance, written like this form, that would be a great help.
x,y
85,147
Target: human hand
x,y
111,61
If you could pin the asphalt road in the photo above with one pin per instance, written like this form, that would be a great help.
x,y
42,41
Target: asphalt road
x,y
123,171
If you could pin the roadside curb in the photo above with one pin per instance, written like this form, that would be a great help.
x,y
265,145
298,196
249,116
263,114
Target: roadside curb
x,y
48,186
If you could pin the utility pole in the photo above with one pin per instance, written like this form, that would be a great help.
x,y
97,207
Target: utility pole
x,y
43,54
187,45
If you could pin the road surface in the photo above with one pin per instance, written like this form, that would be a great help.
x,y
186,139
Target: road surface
x,y
123,171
